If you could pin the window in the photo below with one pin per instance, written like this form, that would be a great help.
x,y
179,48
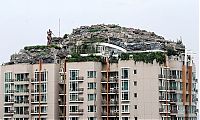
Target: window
x,y
73,108
92,118
8,77
135,118
43,76
125,85
125,118
135,83
125,96
73,86
135,94
135,106
91,108
91,97
125,108
92,85
135,71
73,118
73,97
125,73
91,74
19,110
44,109
74,74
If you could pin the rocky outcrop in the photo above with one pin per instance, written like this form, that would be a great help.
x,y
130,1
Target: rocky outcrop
x,y
82,39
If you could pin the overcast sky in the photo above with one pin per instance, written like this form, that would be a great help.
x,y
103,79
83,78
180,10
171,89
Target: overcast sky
x,y
25,22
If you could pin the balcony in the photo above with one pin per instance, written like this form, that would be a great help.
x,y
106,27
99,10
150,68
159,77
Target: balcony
x,y
61,82
112,113
10,80
10,91
21,101
37,112
174,111
26,112
162,110
11,112
61,103
161,88
22,91
111,91
78,112
172,88
162,98
80,99
22,80
61,114
111,80
80,78
112,102
79,90
173,100
161,76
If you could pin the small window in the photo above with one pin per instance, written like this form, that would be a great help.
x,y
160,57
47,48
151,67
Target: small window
x,y
125,73
135,83
92,118
135,118
91,108
135,106
135,72
91,97
91,74
92,85
135,94
125,118
125,108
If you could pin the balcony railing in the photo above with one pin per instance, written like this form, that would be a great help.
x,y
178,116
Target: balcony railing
x,y
78,112
9,112
26,112
77,90
174,111
111,79
22,80
112,113
80,99
172,88
110,91
162,98
161,76
162,110
162,88
173,100
111,102
61,82
80,78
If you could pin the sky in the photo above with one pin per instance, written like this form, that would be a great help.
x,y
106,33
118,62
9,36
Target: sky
x,y
25,22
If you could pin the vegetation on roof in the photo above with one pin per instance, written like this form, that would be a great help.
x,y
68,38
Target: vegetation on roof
x,y
42,47
146,57
75,57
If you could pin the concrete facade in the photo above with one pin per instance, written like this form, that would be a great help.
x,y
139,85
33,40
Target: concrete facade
x,y
132,91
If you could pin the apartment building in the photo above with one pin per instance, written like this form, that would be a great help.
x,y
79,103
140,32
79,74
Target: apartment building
x,y
92,90
129,90
29,93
